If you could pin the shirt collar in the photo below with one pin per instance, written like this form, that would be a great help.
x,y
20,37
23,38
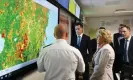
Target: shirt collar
x,y
60,40
129,38
80,35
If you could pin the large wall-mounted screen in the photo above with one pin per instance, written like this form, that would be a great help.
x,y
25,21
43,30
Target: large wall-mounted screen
x,y
77,11
72,6
64,3
25,26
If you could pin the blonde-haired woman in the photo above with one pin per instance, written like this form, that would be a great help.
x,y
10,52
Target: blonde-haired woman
x,y
104,57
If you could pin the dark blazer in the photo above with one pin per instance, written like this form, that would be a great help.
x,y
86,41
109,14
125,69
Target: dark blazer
x,y
116,43
93,45
84,46
130,51
117,61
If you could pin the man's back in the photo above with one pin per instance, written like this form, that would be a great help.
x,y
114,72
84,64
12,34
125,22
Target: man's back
x,y
60,61
117,37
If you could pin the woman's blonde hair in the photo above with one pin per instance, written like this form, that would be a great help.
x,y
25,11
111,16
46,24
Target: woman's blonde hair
x,y
105,34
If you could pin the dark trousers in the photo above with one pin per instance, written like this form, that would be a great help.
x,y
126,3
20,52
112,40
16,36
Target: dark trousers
x,y
125,75
85,74
114,75
114,72
126,72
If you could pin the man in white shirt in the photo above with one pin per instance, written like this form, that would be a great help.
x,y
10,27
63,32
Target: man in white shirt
x,y
60,60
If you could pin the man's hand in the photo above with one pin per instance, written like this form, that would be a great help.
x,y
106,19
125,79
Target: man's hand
x,y
80,78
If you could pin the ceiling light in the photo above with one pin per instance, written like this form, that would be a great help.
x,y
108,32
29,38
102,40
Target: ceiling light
x,y
123,11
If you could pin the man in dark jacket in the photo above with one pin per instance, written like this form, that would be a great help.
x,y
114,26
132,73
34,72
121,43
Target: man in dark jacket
x,y
116,42
82,42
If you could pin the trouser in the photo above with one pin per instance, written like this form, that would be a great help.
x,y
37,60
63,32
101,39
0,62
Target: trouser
x,y
114,75
126,72
85,74
125,75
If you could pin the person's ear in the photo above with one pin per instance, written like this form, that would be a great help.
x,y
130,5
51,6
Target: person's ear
x,y
54,35
66,34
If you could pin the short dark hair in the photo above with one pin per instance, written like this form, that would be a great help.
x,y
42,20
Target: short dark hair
x,y
101,27
78,23
126,27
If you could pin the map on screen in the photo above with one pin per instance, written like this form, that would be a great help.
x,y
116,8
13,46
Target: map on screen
x,y
25,26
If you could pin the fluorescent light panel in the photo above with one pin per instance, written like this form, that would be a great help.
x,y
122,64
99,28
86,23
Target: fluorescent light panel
x,y
123,11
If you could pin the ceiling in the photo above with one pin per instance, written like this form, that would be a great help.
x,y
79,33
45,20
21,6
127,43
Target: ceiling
x,y
98,8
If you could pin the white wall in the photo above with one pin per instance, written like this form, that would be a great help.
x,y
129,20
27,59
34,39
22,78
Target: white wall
x,y
110,23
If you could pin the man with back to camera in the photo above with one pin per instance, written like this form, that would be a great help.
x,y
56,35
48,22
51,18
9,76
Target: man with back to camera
x,y
117,36
116,42
60,60
82,42
126,53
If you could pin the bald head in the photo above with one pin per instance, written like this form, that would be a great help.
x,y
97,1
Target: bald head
x,y
60,32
